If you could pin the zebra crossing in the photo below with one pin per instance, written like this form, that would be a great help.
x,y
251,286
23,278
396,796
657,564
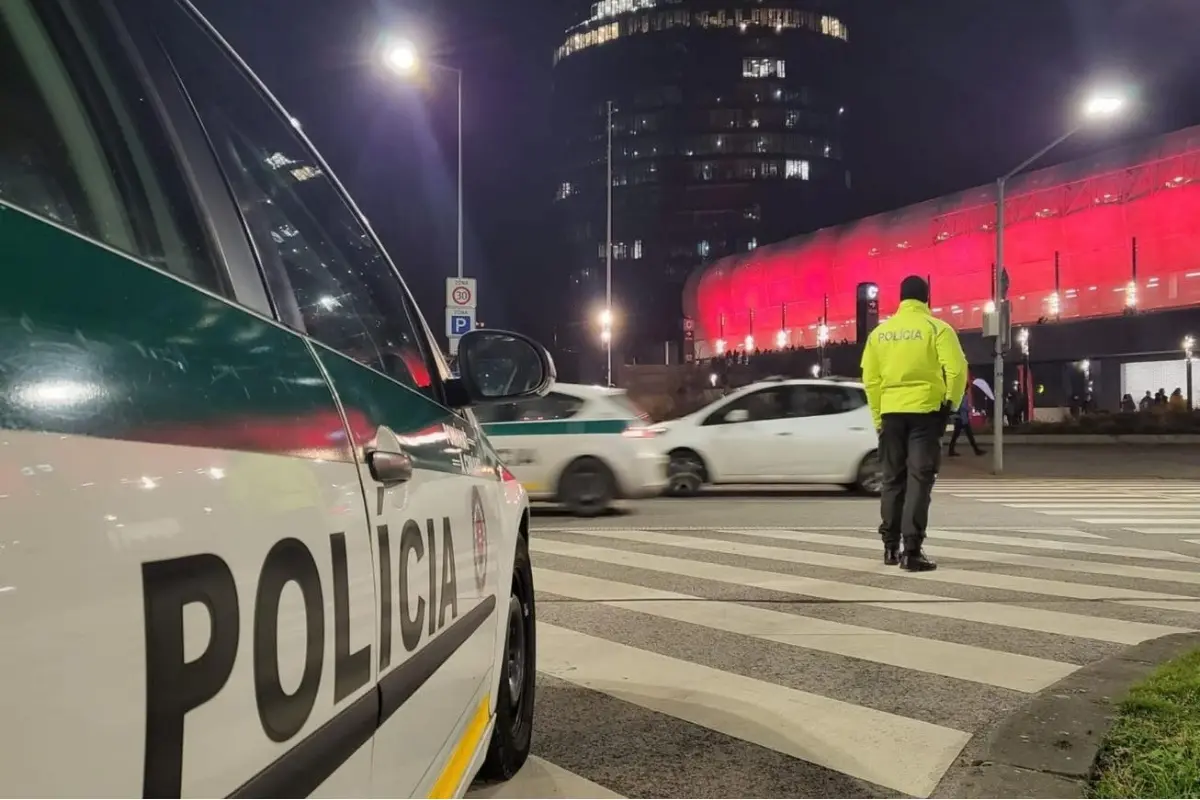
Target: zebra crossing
x,y
1167,507
685,662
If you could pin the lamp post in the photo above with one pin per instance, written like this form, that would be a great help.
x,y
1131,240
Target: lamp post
x,y
1189,349
402,58
1097,107
608,252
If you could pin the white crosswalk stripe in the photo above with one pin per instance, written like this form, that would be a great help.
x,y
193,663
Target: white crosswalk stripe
x,y
1167,507
799,645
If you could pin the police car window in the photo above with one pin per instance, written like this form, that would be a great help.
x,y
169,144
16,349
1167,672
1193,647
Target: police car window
x,y
551,407
81,143
348,295
495,412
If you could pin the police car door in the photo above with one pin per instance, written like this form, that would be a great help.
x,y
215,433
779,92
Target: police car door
x,y
432,648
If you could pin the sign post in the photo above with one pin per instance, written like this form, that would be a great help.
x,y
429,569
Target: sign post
x,y
461,300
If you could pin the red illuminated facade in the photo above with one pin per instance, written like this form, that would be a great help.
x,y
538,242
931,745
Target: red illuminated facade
x,y
1088,238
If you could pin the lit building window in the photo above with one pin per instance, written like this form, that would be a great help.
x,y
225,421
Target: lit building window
x,y
832,26
637,248
764,68
631,17
611,8
752,243
565,190
704,248
796,168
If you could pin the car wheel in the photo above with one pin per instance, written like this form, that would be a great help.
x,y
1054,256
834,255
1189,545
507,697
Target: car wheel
x,y
870,475
685,474
512,735
587,487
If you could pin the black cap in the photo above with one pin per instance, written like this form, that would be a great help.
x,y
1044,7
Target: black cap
x,y
914,287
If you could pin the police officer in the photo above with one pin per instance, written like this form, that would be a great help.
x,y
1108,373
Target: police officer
x,y
915,374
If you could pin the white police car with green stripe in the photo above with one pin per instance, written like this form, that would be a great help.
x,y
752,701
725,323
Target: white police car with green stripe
x,y
253,542
582,446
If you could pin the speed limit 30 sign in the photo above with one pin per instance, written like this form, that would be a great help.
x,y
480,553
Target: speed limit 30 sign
x,y
460,293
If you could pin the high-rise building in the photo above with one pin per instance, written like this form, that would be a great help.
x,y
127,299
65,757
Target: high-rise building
x,y
727,133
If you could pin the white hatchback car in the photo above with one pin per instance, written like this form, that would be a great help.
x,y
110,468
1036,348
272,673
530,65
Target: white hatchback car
x,y
582,446
815,431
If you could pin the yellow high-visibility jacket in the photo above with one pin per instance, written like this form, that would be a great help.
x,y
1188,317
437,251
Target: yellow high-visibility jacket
x,y
913,363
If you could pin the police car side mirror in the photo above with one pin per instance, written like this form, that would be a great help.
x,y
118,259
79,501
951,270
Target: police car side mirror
x,y
499,367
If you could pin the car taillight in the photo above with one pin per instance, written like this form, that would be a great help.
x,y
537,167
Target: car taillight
x,y
506,476
640,432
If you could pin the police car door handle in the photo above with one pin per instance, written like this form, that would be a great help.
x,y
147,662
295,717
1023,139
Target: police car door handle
x,y
784,433
388,467
858,428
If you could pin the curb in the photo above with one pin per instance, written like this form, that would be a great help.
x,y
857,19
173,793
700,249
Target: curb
x,y
1048,749
1076,439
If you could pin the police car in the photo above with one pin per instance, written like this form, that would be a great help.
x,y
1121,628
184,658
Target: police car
x,y
581,446
253,542
805,431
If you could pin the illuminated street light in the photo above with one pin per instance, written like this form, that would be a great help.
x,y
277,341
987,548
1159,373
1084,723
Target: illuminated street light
x,y
1189,346
719,346
1098,106
1103,105
606,336
781,340
749,343
816,370
401,56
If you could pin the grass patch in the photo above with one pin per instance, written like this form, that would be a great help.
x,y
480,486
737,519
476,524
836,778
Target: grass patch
x,y
1153,748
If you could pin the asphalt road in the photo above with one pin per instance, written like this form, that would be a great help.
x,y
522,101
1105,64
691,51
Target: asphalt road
x,y
750,643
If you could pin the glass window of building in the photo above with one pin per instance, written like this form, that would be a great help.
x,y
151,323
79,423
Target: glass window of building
x,y
763,68
704,248
796,168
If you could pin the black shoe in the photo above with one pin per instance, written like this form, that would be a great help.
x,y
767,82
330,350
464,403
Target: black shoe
x,y
951,453
916,562
891,555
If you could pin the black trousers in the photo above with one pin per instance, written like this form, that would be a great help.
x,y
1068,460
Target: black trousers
x,y
959,428
910,452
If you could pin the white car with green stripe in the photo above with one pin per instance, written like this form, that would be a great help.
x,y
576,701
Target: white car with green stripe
x,y
581,446
253,542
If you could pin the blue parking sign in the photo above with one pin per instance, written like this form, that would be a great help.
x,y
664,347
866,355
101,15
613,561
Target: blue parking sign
x,y
460,324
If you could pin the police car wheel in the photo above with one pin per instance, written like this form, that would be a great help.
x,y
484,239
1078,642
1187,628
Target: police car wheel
x,y
513,733
587,487
685,474
870,475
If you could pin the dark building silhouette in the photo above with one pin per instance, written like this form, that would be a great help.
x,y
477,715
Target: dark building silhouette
x,y
727,135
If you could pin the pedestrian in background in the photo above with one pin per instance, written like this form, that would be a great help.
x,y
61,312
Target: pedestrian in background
x,y
962,424
915,375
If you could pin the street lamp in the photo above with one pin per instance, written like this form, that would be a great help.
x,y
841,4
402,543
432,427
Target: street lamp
x,y
403,58
606,321
1098,107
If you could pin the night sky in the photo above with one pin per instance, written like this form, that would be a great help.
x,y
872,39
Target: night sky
x,y
950,93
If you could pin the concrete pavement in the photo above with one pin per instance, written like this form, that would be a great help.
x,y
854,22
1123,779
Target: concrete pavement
x,y
751,643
